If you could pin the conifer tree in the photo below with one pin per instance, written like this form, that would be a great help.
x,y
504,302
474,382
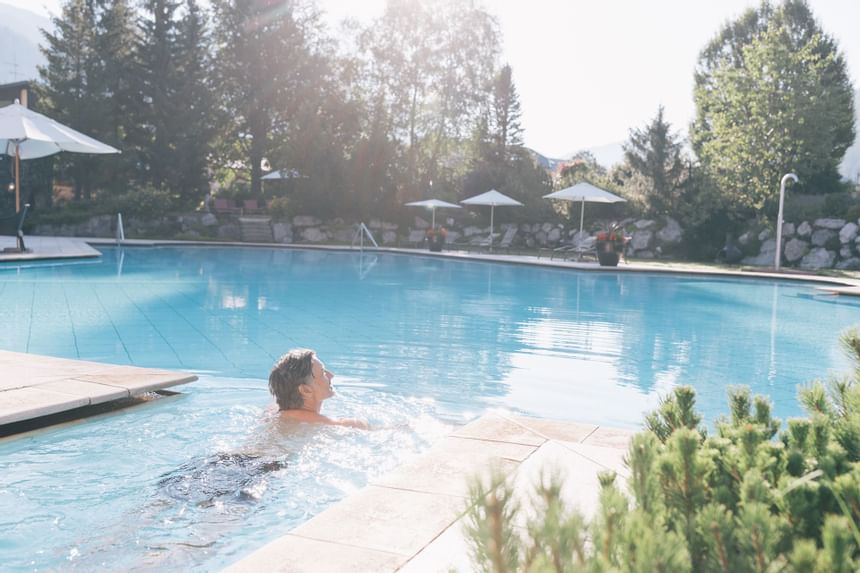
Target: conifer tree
x,y
750,498
507,129
177,108
157,81
655,167
67,83
268,62
86,84
199,110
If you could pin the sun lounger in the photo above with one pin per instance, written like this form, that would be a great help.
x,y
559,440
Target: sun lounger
x,y
250,206
14,225
226,206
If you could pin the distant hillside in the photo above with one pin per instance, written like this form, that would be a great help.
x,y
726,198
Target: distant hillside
x,y
19,43
606,155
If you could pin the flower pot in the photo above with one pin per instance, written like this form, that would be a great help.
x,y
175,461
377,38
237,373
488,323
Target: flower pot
x,y
435,242
607,256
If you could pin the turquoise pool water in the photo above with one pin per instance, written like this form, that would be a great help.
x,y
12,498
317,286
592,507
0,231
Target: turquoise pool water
x,y
418,343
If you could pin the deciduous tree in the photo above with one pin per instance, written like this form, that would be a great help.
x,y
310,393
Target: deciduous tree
x,y
772,96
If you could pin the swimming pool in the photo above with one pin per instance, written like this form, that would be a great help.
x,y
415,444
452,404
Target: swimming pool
x,y
197,480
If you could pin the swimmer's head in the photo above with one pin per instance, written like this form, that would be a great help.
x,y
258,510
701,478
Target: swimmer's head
x,y
299,378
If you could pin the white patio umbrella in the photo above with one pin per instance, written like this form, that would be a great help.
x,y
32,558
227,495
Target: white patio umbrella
x,y
433,204
492,198
587,193
25,134
284,174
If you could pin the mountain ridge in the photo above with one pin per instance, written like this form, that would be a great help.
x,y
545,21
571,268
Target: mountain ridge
x,y
20,34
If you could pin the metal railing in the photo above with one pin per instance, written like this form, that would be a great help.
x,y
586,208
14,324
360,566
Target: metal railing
x,y
359,235
120,232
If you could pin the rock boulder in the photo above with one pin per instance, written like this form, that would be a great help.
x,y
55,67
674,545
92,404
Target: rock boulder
x,y
671,234
641,240
795,249
848,233
822,236
818,258
851,264
833,224
314,235
305,221
282,232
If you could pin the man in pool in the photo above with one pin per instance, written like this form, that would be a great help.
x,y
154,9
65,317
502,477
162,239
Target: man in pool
x,y
300,383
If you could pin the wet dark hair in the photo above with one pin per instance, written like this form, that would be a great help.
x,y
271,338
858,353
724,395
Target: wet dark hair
x,y
291,371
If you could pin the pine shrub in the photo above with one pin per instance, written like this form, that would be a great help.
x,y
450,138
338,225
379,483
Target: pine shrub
x,y
753,497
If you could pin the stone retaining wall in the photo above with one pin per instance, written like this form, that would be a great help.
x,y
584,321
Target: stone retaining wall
x,y
820,244
648,238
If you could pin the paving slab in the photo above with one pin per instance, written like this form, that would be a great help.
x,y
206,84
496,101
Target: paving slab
x,y
294,554
385,519
33,386
31,402
417,511
494,427
97,393
556,430
449,466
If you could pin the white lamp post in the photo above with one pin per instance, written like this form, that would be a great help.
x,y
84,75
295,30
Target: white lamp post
x,y
778,257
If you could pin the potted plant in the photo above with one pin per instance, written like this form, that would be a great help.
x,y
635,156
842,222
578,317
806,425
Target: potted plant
x,y
436,238
610,246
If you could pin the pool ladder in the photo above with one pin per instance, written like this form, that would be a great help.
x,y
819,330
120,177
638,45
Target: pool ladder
x,y
360,232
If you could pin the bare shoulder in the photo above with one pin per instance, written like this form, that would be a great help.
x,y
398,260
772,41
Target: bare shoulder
x,y
304,416
352,423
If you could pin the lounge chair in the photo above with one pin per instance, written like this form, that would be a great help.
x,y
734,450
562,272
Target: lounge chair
x,y
250,206
416,238
582,248
14,225
503,244
226,206
575,248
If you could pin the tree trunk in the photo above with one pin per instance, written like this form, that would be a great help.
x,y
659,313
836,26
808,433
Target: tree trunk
x,y
257,123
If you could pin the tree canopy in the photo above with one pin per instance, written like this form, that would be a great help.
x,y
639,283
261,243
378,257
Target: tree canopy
x,y
772,96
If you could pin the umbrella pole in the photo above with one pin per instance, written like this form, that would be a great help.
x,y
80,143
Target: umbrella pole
x,y
581,221
17,179
433,224
492,212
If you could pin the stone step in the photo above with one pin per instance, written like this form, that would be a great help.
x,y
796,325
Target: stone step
x,y
256,229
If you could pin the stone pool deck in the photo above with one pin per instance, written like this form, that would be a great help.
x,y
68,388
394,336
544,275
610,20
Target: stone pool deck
x,y
411,521
33,386
47,248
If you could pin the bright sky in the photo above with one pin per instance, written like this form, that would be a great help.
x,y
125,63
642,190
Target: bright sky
x,y
588,71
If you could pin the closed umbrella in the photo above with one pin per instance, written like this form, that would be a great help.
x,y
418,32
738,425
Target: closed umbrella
x,y
587,193
25,134
492,198
433,204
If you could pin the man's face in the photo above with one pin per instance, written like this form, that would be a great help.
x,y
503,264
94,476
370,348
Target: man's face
x,y
320,384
